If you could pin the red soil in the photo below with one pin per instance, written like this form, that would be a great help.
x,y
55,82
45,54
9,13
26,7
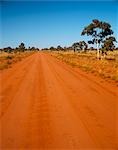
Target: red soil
x,y
46,104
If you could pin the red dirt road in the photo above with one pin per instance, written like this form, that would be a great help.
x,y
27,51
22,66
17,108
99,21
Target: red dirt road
x,y
46,104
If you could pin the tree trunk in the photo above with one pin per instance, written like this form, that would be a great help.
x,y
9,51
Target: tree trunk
x,y
98,52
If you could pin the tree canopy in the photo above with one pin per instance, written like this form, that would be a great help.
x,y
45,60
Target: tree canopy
x,y
81,45
109,43
101,34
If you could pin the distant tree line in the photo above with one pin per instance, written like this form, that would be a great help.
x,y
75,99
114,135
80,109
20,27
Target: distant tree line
x,y
20,48
101,36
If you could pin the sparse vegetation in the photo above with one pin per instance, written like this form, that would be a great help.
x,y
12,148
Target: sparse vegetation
x,y
83,57
9,56
106,68
7,59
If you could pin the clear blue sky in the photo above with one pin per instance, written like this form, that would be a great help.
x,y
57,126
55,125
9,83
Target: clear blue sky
x,y
52,23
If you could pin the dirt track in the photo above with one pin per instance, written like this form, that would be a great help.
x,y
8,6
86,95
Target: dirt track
x,y
45,104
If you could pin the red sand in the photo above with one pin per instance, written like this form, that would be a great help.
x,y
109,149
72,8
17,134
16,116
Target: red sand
x,y
46,104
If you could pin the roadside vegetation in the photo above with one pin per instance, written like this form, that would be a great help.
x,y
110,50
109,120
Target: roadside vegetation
x,y
9,56
99,55
105,68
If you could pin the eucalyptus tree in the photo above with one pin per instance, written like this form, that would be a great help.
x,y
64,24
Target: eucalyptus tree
x,y
22,47
52,48
75,46
108,44
81,45
59,48
99,30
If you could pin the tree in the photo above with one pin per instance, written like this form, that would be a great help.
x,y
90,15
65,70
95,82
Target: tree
x,y
59,48
8,49
22,47
33,48
75,46
99,31
80,46
108,44
52,48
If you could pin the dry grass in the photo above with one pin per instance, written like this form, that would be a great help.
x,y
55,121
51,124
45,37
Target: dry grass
x,y
106,68
6,59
